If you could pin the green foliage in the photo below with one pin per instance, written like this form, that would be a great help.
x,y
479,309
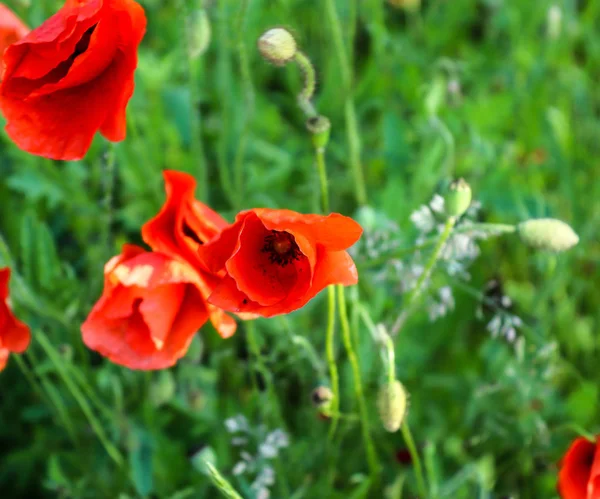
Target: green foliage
x,y
464,88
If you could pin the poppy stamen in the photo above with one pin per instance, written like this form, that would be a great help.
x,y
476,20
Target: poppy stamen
x,y
282,248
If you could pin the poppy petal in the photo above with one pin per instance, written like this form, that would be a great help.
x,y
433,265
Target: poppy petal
x,y
575,470
159,310
4,353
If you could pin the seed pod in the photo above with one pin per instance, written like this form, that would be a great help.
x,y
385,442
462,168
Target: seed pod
x,y
392,405
547,234
458,199
277,46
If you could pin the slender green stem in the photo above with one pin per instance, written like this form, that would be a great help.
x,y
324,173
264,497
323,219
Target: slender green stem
x,y
490,229
333,371
54,357
352,131
362,405
108,185
224,72
416,459
424,277
322,169
248,109
221,483
197,148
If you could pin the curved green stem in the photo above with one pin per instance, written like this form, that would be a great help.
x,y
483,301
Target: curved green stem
x,y
362,405
330,348
423,278
322,170
310,84
416,460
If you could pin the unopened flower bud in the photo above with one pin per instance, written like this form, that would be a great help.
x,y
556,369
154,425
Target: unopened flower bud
x,y
392,404
405,4
322,397
547,234
458,199
277,46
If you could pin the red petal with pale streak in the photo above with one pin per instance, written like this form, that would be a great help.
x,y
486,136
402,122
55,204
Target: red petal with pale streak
x,y
4,353
12,28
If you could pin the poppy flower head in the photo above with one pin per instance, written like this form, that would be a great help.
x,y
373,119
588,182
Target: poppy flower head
x,y
12,29
149,311
71,77
14,335
275,261
182,226
579,475
183,223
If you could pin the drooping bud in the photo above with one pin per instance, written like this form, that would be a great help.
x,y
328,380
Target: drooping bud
x,y
392,405
458,199
277,46
320,129
322,397
547,234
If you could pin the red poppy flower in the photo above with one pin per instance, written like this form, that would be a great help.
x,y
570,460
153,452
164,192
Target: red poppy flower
x,y
149,311
12,28
71,77
14,335
182,226
275,261
579,476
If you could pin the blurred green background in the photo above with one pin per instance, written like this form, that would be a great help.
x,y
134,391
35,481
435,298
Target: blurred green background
x,y
502,92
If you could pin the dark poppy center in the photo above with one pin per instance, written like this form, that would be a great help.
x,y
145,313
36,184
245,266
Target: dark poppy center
x,y
281,248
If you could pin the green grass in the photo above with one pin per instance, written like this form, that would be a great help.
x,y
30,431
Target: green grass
x,y
489,418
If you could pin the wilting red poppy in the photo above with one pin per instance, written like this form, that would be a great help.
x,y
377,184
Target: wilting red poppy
x,y
14,335
71,77
182,226
149,311
12,28
579,476
275,261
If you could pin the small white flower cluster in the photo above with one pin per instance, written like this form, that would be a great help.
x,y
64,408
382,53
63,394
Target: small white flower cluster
x,y
267,445
438,306
505,325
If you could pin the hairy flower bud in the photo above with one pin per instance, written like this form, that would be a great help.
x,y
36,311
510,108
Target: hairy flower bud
x,y
321,397
405,4
392,404
547,234
277,46
458,198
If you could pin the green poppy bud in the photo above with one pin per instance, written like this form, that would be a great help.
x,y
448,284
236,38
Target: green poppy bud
x,y
392,403
277,46
322,397
458,199
405,4
547,234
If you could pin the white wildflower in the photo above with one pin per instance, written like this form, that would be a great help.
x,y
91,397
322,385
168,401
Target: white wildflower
x,y
239,468
423,219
